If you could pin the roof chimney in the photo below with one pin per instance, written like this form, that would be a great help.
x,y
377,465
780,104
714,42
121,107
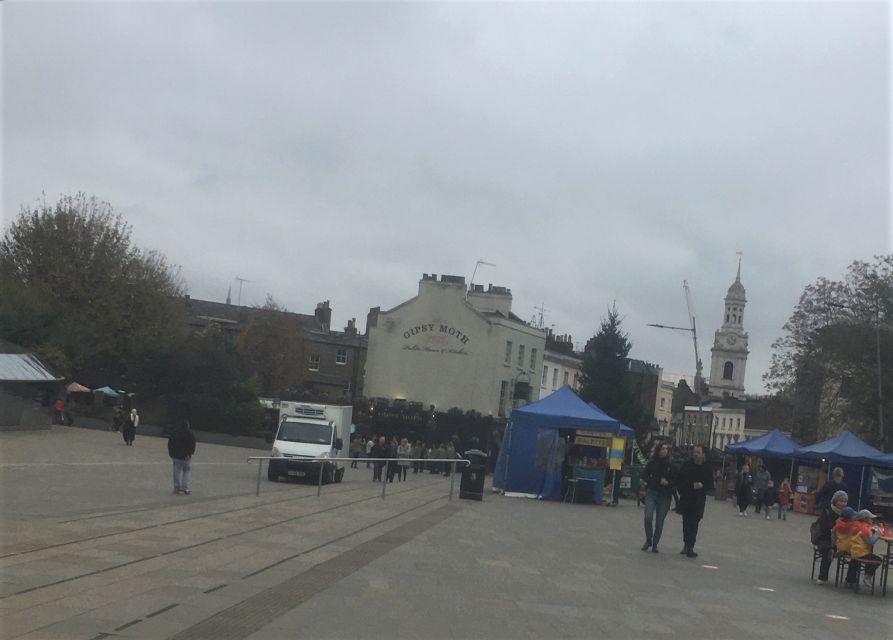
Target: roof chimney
x,y
323,314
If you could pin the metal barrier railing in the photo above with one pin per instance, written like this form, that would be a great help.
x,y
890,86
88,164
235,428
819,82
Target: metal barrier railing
x,y
383,461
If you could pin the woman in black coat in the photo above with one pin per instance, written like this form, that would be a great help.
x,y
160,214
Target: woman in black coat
x,y
743,490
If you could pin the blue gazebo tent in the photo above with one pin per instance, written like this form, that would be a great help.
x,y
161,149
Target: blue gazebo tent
x,y
844,447
846,451
107,391
774,444
530,459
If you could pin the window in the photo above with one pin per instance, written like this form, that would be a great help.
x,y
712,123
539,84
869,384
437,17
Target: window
x,y
508,351
727,318
565,377
503,389
723,423
738,425
521,355
555,378
727,371
663,402
532,359
545,373
341,356
314,362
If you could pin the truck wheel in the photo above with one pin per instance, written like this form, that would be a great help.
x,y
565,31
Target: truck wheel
x,y
339,475
329,475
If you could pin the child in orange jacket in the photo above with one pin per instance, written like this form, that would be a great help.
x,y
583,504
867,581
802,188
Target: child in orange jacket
x,y
856,536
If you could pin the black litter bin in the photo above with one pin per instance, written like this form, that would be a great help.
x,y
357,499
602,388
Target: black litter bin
x,y
471,487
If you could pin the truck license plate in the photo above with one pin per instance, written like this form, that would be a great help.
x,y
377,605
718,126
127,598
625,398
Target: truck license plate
x,y
292,472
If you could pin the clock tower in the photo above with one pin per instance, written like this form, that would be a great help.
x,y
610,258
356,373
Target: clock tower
x,y
729,352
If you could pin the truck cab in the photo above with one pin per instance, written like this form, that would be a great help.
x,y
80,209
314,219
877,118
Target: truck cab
x,y
308,431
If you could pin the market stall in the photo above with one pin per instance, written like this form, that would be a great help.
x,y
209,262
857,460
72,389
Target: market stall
x,y
843,450
557,439
774,446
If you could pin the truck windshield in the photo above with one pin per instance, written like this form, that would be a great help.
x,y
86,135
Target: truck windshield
x,y
304,432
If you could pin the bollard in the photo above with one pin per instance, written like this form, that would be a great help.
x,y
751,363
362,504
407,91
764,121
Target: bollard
x,y
384,482
322,467
452,478
260,465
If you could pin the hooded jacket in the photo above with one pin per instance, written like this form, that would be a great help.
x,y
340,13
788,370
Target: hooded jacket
x,y
854,536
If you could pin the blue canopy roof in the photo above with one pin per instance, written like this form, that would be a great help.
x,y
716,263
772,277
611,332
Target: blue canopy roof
x,y
884,461
564,409
844,447
774,444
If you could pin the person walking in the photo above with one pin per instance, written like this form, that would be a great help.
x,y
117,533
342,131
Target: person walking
x,y
378,450
769,499
784,499
416,453
356,448
369,444
129,429
760,482
404,455
449,453
181,447
743,490
695,479
822,536
825,495
392,459
58,411
658,478
117,420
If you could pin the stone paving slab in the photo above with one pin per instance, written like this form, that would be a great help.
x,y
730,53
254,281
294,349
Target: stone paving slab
x,y
355,566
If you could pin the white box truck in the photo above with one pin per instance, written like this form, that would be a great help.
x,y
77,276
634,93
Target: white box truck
x,y
310,431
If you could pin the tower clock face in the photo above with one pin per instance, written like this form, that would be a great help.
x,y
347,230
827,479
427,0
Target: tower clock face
x,y
731,340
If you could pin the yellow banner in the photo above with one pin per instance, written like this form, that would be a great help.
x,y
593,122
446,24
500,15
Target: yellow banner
x,y
615,460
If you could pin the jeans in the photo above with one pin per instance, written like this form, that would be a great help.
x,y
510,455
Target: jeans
x,y
654,500
782,511
181,468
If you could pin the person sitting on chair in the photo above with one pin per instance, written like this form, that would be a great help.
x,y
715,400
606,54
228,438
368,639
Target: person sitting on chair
x,y
856,536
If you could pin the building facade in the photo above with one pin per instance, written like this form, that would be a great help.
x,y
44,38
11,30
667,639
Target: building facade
x,y
729,353
561,366
331,362
454,347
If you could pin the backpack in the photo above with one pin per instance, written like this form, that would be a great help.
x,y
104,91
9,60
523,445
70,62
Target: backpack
x,y
815,532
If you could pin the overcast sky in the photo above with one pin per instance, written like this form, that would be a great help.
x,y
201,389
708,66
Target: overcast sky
x,y
593,152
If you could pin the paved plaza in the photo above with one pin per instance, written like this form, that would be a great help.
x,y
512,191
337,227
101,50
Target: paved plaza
x,y
94,545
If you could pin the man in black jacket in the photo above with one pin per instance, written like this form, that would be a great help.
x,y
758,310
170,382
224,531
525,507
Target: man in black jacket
x,y
180,447
379,450
694,480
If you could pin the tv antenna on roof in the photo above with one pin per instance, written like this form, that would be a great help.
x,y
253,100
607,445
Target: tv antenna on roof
x,y
539,321
239,298
474,273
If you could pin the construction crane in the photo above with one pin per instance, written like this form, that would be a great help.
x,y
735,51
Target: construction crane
x,y
693,328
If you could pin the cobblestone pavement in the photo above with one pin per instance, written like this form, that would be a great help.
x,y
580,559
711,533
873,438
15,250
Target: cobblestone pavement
x,y
94,545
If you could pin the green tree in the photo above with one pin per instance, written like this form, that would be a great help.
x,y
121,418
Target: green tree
x,y
74,287
203,380
272,348
827,360
604,368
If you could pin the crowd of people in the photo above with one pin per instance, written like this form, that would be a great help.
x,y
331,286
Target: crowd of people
x,y
394,457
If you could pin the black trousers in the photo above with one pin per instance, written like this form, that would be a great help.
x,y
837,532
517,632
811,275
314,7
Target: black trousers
x,y
852,572
376,471
692,512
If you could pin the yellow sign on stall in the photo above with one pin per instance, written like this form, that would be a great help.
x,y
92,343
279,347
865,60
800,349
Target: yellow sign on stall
x,y
615,461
